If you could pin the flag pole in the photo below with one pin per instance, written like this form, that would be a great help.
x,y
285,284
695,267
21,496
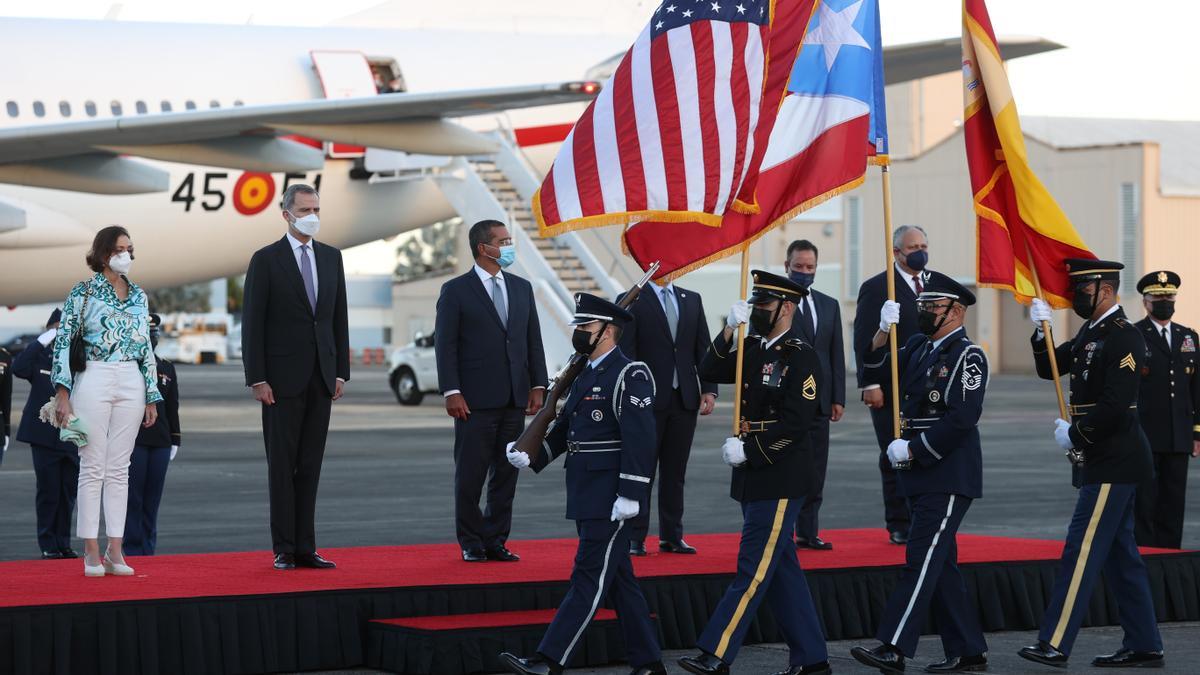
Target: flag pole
x,y
1037,286
741,343
891,288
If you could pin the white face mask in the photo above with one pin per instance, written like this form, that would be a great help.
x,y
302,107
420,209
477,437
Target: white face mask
x,y
308,225
121,262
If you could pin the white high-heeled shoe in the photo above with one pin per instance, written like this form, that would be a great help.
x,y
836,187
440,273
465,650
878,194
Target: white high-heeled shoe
x,y
117,569
92,570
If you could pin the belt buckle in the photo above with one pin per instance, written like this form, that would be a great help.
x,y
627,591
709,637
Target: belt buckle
x,y
1075,457
572,447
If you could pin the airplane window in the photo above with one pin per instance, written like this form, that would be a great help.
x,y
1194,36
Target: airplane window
x,y
166,106
237,103
90,108
12,108
116,108
190,105
141,107
64,108
214,103
39,109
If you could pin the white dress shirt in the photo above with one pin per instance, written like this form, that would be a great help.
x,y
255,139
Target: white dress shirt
x,y
486,278
312,258
1104,316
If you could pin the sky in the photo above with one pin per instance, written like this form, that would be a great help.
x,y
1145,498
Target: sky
x,y
1122,59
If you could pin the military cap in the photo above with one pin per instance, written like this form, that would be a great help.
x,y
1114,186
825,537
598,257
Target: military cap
x,y
1085,270
938,286
768,287
589,308
1162,282
55,317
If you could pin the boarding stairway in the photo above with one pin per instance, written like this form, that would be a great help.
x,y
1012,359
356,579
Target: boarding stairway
x,y
500,186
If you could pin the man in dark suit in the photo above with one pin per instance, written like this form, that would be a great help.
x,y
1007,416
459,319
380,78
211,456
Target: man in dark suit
x,y
1169,410
669,333
492,371
55,462
5,399
818,323
296,354
910,255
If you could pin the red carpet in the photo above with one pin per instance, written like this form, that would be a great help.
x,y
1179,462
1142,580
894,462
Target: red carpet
x,y
61,582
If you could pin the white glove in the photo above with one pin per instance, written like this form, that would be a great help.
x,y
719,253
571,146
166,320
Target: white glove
x,y
898,451
623,509
516,457
174,451
1039,311
733,453
1062,434
48,337
739,313
889,315
5,448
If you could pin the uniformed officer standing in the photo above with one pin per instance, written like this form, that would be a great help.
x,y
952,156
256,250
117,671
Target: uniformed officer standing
x,y
1169,409
939,462
772,474
5,400
1111,455
606,429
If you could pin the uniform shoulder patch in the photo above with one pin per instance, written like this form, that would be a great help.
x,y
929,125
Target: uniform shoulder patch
x,y
1121,322
796,343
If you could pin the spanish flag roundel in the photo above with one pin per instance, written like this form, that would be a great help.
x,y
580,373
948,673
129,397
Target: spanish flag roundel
x,y
253,192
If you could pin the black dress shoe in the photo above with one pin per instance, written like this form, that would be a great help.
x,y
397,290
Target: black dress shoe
x,y
656,668
898,538
474,555
816,544
638,549
537,665
821,668
285,561
501,554
52,555
68,553
1127,658
704,664
1044,654
886,658
680,546
314,561
959,664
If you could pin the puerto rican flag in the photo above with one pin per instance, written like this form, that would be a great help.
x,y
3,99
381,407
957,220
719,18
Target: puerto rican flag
x,y
829,125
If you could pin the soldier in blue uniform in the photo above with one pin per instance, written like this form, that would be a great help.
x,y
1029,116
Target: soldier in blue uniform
x,y
772,474
606,430
5,400
55,462
1111,456
1169,409
943,378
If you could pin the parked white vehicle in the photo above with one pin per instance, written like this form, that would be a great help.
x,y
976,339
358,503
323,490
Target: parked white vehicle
x,y
412,370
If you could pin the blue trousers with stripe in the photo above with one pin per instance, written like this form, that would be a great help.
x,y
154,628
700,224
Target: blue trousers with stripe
x,y
932,581
767,569
602,567
1100,539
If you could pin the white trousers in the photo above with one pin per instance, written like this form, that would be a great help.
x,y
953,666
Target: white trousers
x,y
110,400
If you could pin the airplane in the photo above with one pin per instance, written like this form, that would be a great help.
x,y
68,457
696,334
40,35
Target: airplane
x,y
187,134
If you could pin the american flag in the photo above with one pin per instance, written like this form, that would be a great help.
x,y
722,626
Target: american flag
x,y
671,135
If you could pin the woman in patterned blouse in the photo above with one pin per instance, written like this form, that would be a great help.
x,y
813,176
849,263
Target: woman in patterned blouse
x,y
115,393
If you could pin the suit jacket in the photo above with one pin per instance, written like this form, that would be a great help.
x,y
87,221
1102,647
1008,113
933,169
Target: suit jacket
x,y
282,339
1169,399
493,364
648,339
34,364
871,296
165,431
830,351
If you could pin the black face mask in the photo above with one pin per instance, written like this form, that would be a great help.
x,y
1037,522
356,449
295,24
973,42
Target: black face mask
x,y
930,322
762,320
1162,310
1084,304
584,342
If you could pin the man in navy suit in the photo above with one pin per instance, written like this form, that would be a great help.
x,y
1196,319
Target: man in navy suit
x,y
910,251
939,462
669,333
55,462
819,323
492,372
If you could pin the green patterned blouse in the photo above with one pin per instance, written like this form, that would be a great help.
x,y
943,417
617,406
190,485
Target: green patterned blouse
x,y
113,331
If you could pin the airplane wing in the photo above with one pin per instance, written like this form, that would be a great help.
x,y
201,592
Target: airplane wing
x,y
902,63
89,155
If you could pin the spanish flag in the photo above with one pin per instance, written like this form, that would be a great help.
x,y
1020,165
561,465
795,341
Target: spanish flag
x,y
1021,229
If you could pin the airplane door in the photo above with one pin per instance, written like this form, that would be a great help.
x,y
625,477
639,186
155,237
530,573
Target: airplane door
x,y
344,74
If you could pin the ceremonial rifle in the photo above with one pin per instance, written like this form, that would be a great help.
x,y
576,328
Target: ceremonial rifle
x,y
530,440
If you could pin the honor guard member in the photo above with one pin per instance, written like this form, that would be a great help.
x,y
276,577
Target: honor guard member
x,y
606,430
772,475
1169,409
943,378
5,399
1111,456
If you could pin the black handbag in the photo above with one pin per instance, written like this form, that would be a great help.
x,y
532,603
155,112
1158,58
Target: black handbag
x,y
78,358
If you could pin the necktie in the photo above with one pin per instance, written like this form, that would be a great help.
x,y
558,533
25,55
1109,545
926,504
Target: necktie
x,y
1166,337
917,283
807,326
306,273
673,324
498,301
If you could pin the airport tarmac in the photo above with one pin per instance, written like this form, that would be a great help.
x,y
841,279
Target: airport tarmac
x,y
388,473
